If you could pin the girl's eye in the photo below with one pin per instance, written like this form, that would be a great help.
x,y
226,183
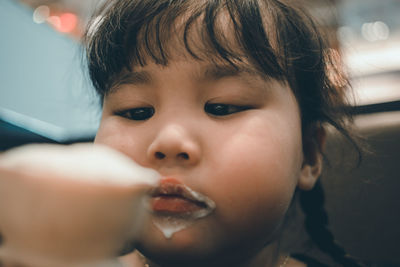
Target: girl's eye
x,y
223,109
137,114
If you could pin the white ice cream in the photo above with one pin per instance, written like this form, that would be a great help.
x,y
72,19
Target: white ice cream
x,y
88,162
70,205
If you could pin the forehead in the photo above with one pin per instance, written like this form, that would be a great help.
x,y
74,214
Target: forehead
x,y
197,71
218,46
188,37
210,55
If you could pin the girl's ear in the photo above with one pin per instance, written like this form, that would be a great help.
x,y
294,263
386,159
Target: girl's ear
x,y
313,147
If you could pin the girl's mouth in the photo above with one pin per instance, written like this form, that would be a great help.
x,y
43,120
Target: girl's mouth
x,y
172,198
175,204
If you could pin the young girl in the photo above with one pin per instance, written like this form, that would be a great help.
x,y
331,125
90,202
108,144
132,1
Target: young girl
x,y
228,98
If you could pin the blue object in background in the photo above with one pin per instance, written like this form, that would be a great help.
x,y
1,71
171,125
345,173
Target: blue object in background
x,y
43,88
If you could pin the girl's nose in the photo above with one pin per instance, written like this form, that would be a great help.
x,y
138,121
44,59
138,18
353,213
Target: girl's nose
x,y
174,145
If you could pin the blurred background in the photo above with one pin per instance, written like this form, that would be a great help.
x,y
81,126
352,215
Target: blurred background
x,y
45,96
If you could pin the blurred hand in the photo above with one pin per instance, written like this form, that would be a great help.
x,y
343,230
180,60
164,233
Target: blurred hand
x,y
76,205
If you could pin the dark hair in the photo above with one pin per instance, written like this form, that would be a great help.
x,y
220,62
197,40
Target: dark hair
x,y
316,224
275,38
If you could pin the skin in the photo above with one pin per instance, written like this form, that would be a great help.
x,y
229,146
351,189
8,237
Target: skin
x,y
249,161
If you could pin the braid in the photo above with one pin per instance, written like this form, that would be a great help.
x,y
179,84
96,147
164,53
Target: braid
x,y
316,224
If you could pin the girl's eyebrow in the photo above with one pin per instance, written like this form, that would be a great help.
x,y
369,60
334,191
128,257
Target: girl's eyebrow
x,y
133,78
213,72
216,72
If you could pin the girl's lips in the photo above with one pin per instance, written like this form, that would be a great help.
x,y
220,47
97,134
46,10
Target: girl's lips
x,y
175,204
172,197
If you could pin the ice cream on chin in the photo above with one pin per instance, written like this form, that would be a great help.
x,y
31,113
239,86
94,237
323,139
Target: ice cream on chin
x,y
66,205
175,206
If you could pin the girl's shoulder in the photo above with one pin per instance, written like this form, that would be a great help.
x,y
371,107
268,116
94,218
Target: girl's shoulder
x,y
293,262
304,260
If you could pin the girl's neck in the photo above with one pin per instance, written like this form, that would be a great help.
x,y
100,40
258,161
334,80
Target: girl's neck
x,y
269,256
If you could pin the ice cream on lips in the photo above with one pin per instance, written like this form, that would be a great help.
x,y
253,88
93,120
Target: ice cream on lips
x,y
175,206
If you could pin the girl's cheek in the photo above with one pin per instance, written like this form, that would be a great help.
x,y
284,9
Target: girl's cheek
x,y
256,185
121,137
114,134
108,136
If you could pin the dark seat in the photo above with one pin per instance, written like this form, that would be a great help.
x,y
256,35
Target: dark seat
x,y
364,203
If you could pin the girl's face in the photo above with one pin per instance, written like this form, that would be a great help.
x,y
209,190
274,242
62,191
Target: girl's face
x,y
229,135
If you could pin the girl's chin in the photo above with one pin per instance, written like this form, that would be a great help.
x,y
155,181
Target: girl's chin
x,y
169,230
190,242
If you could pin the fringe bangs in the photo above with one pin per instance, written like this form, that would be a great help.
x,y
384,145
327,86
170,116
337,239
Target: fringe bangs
x,y
134,33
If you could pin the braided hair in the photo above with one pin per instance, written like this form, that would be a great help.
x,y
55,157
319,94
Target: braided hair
x,y
316,224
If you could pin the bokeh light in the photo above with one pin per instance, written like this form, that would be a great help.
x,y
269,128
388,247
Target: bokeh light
x,y
375,31
68,22
41,14
65,22
55,21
